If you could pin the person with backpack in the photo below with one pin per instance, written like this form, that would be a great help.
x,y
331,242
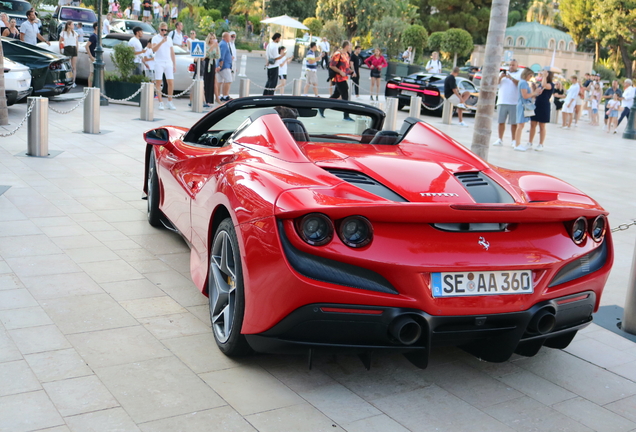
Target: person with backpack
x,y
177,35
340,64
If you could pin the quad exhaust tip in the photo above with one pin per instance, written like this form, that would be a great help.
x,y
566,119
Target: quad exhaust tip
x,y
405,329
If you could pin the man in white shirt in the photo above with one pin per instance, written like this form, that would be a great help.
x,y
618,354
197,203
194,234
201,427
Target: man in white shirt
x,y
156,9
406,55
507,98
233,49
30,30
272,56
136,9
174,14
106,24
324,53
165,63
569,104
434,65
135,44
627,101
177,35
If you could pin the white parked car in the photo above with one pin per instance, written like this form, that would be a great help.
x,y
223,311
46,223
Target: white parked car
x,y
17,81
182,77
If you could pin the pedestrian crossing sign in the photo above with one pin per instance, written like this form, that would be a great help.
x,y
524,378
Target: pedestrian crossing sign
x,y
197,49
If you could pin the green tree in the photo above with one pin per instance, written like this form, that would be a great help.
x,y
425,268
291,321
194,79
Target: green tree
x,y
333,31
513,18
543,12
387,33
247,7
470,15
415,36
457,42
577,18
314,25
614,21
300,9
435,41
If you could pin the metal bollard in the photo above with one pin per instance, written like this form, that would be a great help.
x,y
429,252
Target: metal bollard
x,y
391,114
629,314
447,112
147,102
38,127
91,111
244,87
197,96
297,88
416,107
243,66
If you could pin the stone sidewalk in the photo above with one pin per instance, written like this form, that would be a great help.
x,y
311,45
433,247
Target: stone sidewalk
x,y
101,328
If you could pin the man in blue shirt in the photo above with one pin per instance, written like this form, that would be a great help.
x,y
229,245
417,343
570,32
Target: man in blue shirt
x,y
224,67
90,50
311,71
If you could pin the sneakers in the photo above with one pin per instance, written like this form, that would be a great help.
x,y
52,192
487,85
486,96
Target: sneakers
x,y
604,128
225,98
523,147
461,106
498,143
566,127
161,107
461,123
539,147
514,143
171,106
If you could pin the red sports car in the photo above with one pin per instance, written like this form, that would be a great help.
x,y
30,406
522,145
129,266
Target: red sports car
x,y
311,233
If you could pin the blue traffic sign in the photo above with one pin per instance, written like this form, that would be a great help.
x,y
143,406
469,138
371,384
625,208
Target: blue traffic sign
x,y
197,49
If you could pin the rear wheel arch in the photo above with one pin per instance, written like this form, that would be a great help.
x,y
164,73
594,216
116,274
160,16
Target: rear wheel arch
x,y
219,215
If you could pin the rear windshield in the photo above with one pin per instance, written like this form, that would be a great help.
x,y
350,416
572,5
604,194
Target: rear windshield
x,y
85,15
14,6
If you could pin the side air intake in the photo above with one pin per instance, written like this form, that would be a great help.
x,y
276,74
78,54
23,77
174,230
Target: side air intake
x,y
365,182
483,189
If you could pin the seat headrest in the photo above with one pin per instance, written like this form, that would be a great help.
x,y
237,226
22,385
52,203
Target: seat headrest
x,y
385,138
297,129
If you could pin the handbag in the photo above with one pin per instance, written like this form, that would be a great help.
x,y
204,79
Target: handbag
x,y
528,108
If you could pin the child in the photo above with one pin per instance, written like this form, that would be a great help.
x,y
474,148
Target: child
x,y
282,69
595,99
612,112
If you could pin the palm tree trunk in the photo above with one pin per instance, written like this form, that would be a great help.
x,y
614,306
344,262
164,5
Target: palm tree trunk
x,y
597,51
489,82
627,61
4,111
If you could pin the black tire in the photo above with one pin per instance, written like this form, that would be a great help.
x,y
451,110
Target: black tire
x,y
154,214
226,292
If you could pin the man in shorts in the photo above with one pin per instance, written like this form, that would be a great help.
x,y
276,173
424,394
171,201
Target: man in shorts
x,y
136,9
569,104
90,50
311,71
147,17
507,101
607,96
224,68
165,63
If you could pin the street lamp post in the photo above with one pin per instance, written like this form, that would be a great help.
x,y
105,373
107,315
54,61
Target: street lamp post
x,y
630,131
98,76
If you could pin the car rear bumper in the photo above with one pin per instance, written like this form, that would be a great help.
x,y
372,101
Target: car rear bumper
x,y
492,337
14,96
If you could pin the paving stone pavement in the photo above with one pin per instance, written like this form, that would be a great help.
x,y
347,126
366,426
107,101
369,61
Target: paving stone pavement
x,y
101,328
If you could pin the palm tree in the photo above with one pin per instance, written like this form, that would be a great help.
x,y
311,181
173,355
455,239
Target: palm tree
x,y
247,7
489,81
544,12
4,111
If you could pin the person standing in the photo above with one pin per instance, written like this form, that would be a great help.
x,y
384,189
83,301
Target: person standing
x,y
156,9
148,60
525,95
233,48
282,70
212,54
626,101
558,95
507,99
406,55
595,101
136,9
376,63
607,96
452,94
311,71
272,56
325,49
135,44
177,35
165,63
569,105
4,23
434,66
174,13
613,107
127,13
69,38
542,109
12,30
341,64
30,30
356,62
106,24
147,12
90,51
166,11
224,68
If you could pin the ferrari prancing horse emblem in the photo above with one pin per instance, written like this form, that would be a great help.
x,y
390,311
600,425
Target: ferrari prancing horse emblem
x,y
482,241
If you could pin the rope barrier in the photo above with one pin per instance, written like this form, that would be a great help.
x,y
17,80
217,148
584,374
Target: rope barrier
x,y
28,113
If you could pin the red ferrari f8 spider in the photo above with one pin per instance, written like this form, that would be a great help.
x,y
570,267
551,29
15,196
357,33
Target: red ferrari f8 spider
x,y
316,232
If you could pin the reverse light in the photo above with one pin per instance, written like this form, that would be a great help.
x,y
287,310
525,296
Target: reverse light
x,y
578,230
315,229
355,231
598,229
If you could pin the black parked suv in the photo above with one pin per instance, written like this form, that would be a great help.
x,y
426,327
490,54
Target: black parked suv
x,y
15,9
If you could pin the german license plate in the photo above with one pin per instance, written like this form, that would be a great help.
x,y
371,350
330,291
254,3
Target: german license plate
x,y
458,284
69,74
22,83
409,93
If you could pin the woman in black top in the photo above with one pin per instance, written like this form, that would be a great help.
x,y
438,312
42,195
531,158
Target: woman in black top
x,y
12,31
559,95
542,109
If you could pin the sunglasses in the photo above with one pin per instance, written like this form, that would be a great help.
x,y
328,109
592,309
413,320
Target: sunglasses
x,y
163,30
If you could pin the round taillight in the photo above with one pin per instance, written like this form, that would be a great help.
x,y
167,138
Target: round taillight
x,y
599,226
315,229
355,231
578,232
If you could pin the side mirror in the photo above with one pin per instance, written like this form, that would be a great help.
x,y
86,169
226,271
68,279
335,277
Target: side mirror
x,y
158,137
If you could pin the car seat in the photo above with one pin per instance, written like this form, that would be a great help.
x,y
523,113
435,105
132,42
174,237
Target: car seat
x,y
297,129
385,137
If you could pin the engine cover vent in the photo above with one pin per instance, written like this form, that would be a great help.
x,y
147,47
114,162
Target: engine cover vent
x,y
366,183
483,189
